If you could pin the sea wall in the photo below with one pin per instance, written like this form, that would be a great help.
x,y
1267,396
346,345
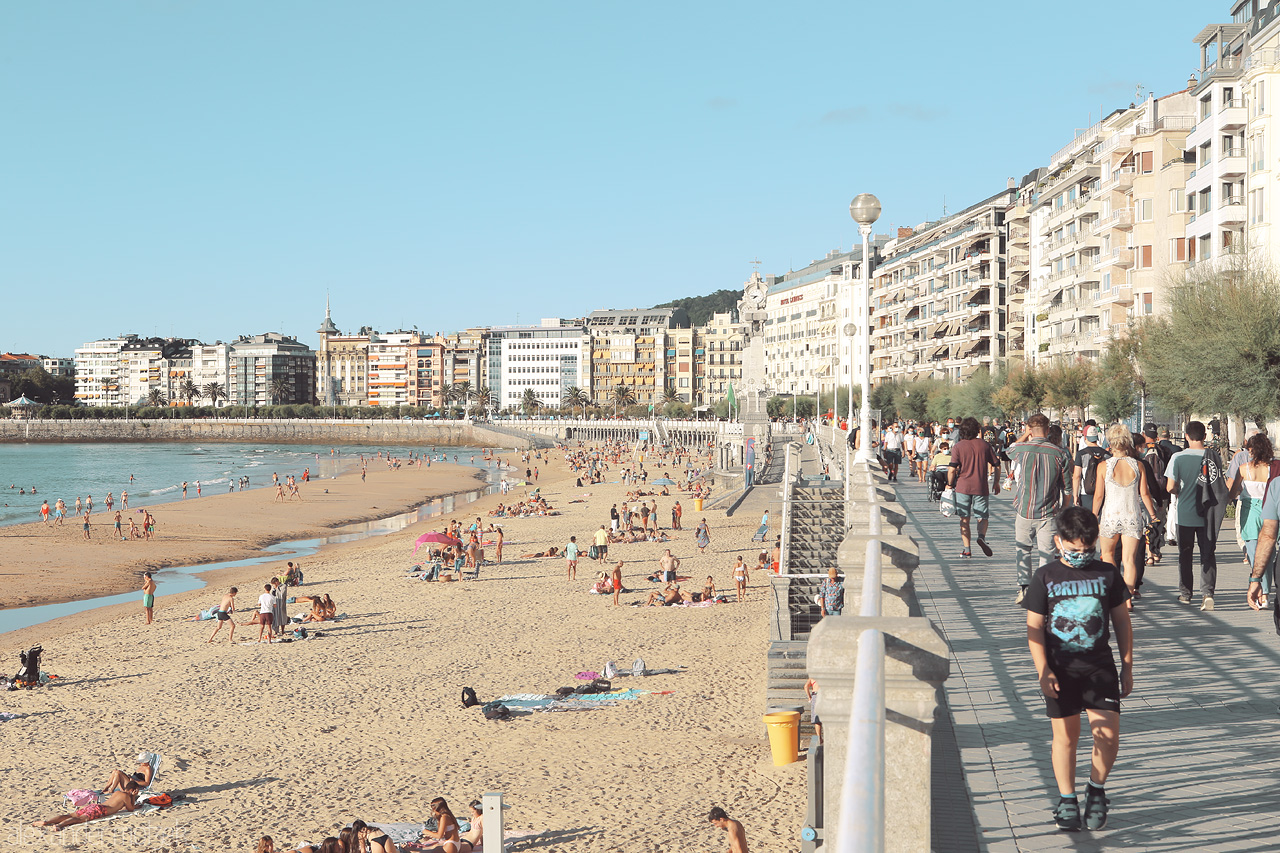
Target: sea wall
x,y
372,432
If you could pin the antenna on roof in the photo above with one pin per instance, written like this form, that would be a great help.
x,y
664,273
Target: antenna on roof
x,y
944,206
756,263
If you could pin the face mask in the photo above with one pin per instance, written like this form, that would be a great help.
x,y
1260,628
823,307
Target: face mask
x,y
1079,559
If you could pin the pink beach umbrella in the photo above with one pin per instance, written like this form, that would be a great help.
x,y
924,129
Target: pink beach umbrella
x,y
434,537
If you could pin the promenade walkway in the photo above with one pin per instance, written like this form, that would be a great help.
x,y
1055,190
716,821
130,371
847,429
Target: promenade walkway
x,y
1198,765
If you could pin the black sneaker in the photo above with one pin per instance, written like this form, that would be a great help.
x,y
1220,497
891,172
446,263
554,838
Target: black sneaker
x,y
986,549
1067,815
1095,808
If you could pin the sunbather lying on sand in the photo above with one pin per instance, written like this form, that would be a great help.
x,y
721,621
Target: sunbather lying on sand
x,y
122,800
670,594
553,551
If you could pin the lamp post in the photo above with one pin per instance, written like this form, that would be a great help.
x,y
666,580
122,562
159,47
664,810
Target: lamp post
x,y
865,210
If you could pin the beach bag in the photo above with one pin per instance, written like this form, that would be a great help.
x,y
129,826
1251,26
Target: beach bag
x,y
637,667
80,797
592,553
469,699
495,711
610,669
947,504
599,685
161,800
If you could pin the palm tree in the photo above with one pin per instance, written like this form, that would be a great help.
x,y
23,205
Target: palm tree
x,y
530,402
278,389
215,392
575,396
462,392
108,382
623,395
670,396
484,400
189,391
155,397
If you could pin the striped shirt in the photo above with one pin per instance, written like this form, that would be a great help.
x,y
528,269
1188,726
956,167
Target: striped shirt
x,y
1045,468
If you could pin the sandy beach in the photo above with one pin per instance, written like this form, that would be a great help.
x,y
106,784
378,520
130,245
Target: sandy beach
x,y
46,563
295,740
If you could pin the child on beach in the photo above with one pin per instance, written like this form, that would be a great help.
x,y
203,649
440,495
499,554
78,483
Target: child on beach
x,y
1070,604
223,614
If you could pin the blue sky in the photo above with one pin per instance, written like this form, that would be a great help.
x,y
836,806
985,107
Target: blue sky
x,y
212,169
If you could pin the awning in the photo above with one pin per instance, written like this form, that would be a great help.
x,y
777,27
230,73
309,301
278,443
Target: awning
x,y
956,328
941,352
969,371
915,309
965,349
937,330
976,293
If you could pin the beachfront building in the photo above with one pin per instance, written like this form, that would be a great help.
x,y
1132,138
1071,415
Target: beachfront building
x,y
14,363
684,362
628,352
389,371
1260,82
723,339
58,366
210,365
940,297
464,358
342,363
271,369
98,371
805,349
548,359
1216,187
426,372
153,366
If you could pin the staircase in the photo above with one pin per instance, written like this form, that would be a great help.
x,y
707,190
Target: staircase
x,y
660,432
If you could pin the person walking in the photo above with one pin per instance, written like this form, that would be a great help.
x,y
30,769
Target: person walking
x,y
1181,475
973,466
1043,468
831,594
702,536
892,450
1089,455
1120,494
1252,482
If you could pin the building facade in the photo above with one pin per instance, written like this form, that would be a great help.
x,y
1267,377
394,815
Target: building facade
x,y
271,369
628,351
548,359
723,339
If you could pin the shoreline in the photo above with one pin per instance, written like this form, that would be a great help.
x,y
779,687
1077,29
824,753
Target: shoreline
x,y
371,710
209,530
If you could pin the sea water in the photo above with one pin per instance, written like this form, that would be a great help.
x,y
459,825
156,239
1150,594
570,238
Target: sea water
x,y
154,473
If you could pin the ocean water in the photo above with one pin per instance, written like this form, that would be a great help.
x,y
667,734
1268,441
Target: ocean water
x,y
69,471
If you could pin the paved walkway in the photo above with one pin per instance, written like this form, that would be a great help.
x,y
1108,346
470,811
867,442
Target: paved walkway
x,y
1198,765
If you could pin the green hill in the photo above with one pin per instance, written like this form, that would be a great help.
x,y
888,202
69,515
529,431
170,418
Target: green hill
x,y
700,308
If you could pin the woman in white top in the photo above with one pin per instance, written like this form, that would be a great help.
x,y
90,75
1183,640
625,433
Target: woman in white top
x,y
922,452
1251,485
1118,498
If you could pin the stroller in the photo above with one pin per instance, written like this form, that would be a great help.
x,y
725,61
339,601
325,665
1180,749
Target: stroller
x,y
29,675
937,483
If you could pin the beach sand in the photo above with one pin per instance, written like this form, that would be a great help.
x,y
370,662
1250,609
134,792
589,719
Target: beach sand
x,y
45,563
296,740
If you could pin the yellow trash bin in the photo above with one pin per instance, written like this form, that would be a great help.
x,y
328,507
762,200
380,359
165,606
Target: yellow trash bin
x,y
697,504
784,736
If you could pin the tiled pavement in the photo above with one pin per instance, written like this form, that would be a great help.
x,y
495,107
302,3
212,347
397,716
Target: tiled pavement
x,y
1199,768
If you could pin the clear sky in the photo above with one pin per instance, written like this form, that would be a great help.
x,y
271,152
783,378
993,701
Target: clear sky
x,y
211,169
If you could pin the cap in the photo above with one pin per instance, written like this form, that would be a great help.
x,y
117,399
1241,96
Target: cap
x,y
1091,432
1149,430
144,757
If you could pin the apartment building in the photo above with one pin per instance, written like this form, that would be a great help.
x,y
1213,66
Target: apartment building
x,y
342,364
940,297
465,355
210,364
259,362
13,363
723,341
628,349
548,359
426,380
58,366
805,350
98,371
684,360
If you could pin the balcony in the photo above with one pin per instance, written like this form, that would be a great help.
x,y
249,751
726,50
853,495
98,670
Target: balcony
x,y
1231,115
1231,212
1232,165
1121,180
1019,236
1121,257
1122,219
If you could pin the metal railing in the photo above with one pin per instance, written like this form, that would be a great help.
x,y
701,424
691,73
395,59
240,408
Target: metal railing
x,y
862,797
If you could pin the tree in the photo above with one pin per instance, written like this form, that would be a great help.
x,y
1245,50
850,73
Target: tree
x,y
575,396
484,399
623,395
669,396
278,389
1113,393
461,392
1028,386
530,402
972,397
189,391
884,397
215,392
155,397
108,383
1067,385
1218,349
38,384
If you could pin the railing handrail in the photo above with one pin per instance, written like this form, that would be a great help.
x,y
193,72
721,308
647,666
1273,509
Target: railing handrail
x,y
871,577
861,828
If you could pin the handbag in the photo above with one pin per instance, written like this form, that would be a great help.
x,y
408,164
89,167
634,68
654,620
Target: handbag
x,y
947,505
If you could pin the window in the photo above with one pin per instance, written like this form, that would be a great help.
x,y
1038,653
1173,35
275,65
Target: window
x,y
1144,162
1178,249
1256,210
1142,209
1177,201
1145,304
1206,106
1205,249
1143,257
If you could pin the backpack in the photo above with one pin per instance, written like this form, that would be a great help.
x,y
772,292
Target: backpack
x,y
600,685
161,800
637,668
1090,480
495,711
469,699
610,669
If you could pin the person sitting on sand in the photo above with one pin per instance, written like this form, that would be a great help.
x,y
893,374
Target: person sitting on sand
x,y
141,776
553,551
446,834
319,613
125,799
670,594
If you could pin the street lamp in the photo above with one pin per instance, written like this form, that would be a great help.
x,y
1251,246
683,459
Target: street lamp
x,y
865,210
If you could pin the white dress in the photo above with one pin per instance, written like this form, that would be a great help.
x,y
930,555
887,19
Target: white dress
x,y
1121,508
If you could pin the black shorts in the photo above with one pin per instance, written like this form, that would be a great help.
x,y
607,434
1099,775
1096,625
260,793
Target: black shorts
x,y
1081,686
222,615
602,551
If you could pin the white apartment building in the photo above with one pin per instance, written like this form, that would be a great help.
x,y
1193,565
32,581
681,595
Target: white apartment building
x,y
389,358
722,341
1216,186
805,348
98,371
940,297
549,358
211,363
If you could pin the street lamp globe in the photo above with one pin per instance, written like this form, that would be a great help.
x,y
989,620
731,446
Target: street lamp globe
x,y
865,209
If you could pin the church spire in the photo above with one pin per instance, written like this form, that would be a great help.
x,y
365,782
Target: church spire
x,y
327,327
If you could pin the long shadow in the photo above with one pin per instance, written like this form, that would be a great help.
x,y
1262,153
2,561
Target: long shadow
x,y
66,681
1189,732
231,786
555,836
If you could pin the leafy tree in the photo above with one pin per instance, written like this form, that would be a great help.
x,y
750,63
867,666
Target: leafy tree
x,y
1113,394
623,395
885,398
189,391
669,396
214,391
972,397
700,308
484,399
155,397
1068,385
1028,385
39,385
277,389
530,403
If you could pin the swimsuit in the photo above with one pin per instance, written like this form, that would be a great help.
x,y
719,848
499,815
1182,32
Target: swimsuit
x,y
92,811
148,599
